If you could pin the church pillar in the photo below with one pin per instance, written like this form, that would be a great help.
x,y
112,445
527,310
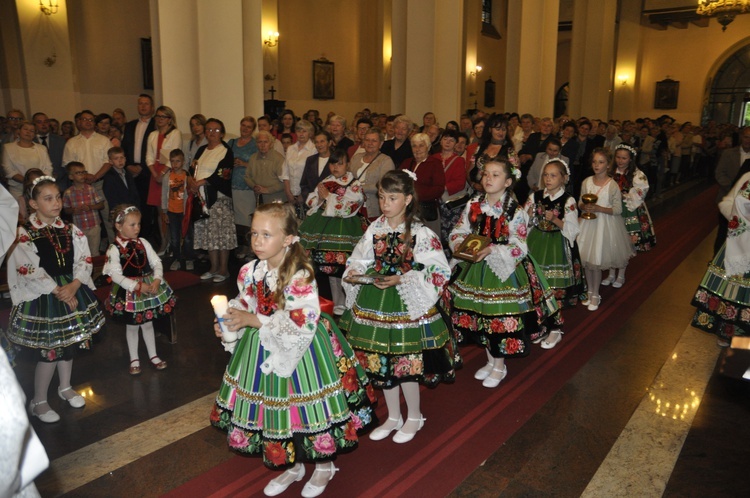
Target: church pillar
x,y
198,57
398,56
433,81
627,61
252,49
591,58
531,56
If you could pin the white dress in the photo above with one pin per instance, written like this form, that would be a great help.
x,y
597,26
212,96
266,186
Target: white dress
x,y
604,242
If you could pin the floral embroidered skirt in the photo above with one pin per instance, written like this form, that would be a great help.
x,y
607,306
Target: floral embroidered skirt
x,y
134,309
217,232
560,264
53,330
330,241
393,348
640,227
501,315
317,413
723,302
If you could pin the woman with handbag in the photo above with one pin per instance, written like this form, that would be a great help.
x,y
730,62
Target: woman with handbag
x,y
212,184
369,167
430,183
456,194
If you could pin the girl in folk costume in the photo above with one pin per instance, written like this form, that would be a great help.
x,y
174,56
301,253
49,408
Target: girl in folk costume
x,y
553,228
723,297
291,391
634,187
139,292
603,241
500,299
54,310
393,323
332,227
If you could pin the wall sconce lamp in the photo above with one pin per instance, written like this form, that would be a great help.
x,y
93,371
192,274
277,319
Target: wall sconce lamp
x,y
50,8
272,40
476,71
623,78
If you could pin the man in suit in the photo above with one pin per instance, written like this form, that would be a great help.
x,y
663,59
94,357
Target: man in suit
x,y
135,143
55,146
315,166
726,173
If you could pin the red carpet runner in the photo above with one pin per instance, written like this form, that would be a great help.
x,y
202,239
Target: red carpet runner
x,y
466,422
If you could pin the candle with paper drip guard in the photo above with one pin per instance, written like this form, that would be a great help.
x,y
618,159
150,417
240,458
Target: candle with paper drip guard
x,y
220,305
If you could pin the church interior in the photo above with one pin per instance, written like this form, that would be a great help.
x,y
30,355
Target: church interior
x,y
633,402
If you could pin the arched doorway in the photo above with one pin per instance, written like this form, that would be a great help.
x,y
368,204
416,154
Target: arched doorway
x,y
729,98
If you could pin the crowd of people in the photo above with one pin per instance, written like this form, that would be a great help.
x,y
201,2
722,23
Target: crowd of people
x,y
423,238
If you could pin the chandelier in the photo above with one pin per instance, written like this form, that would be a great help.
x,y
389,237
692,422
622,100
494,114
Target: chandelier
x,y
724,10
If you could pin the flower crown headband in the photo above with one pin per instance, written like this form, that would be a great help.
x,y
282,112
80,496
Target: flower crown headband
x,y
628,148
122,214
40,179
557,160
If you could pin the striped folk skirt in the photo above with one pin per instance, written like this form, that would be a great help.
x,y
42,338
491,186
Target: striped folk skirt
x,y
317,413
52,330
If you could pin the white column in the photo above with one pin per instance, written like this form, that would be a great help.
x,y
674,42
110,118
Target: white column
x,y
434,49
591,58
198,58
398,57
253,56
627,61
531,56
448,73
176,60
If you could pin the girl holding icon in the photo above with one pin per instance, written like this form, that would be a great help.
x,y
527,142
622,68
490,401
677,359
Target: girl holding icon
x,y
499,298
284,395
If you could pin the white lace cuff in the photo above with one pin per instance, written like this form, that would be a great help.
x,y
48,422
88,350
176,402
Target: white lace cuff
x,y
632,201
412,292
352,290
285,342
501,262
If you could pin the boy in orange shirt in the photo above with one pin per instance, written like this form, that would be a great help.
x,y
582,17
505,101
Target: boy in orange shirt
x,y
173,199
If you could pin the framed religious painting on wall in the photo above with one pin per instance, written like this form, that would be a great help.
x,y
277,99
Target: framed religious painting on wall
x,y
489,93
323,79
667,92
147,64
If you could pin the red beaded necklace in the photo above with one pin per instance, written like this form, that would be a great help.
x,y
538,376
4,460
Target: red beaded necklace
x,y
55,239
132,259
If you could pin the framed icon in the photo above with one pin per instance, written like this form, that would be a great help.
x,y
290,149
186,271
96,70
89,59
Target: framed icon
x,y
323,80
667,92
489,93
471,246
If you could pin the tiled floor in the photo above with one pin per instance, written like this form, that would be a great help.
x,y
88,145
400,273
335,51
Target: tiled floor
x,y
588,438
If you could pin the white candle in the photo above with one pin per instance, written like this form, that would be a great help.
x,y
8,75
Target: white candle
x,y
220,305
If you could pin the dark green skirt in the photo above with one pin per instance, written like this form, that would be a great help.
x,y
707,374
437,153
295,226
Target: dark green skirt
x,y
54,331
330,241
560,264
497,313
723,302
640,227
392,347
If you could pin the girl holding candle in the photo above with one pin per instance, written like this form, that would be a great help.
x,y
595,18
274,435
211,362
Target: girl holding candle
x,y
291,392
